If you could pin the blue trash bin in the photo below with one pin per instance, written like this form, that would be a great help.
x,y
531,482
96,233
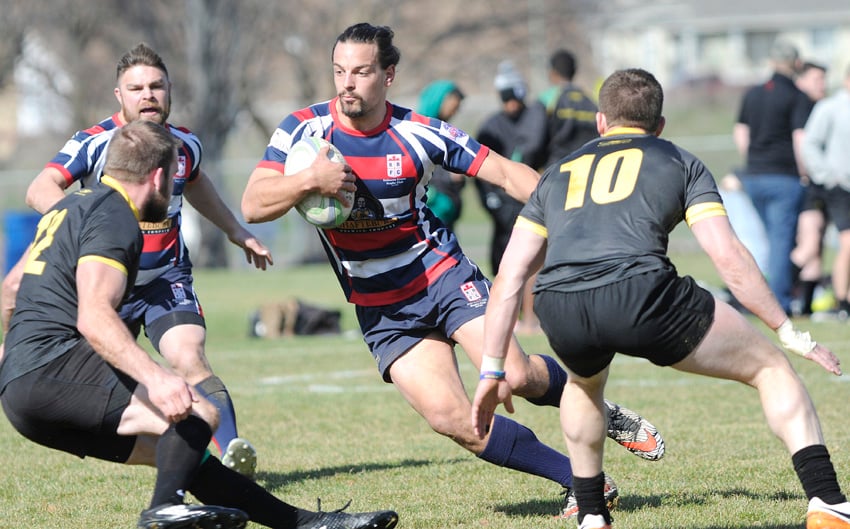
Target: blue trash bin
x,y
19,230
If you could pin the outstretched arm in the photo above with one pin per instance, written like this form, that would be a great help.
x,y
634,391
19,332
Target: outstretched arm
x,y
523,257
202,195
517,179
742,276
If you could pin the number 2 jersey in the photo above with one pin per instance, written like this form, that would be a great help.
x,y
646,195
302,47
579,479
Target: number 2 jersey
x,y
89,224
392,246
82,159
607,209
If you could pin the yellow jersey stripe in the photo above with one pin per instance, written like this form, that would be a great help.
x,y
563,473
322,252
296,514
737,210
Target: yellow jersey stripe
x,y
105,260
524,223
704,211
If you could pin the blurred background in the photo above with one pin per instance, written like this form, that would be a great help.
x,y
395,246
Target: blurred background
x,y
239,66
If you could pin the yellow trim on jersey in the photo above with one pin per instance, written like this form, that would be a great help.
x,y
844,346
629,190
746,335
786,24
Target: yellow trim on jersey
x,y
624,130
105,260
704,211
114,184
522,222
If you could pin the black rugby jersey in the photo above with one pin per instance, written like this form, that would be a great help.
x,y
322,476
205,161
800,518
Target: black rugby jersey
x,y
92,223
607,209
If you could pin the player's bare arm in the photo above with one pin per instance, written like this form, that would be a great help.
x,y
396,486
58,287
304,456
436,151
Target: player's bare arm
x,y
270,195
202,195
741,137
517,179
46,189
101,287
741,274
523,257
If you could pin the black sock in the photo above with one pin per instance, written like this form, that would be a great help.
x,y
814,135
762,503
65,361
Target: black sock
x,y
817,475
178,453
590,495
216,484
807,294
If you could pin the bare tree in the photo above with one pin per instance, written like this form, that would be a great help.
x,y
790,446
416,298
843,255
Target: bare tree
x,y
227,57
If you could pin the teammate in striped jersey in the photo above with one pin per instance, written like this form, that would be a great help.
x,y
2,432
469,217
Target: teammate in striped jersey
x,y
163,300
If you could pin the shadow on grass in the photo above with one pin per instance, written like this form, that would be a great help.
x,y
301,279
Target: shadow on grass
x,y
634,502
273,481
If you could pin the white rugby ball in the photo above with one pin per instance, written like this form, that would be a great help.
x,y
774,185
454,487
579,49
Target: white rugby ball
x,y
321,211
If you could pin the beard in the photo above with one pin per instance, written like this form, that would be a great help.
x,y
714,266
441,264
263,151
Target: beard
x,y
353,110
155,208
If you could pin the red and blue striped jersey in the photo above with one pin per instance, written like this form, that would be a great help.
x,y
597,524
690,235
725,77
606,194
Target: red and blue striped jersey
x,y
82,159
392,246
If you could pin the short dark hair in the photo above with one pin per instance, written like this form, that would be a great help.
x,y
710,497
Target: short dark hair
x,y
138,148
808,65
564,63
632,97
382,36
140,54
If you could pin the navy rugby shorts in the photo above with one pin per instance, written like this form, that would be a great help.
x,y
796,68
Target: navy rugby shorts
x,y
167,301
655,315
455,298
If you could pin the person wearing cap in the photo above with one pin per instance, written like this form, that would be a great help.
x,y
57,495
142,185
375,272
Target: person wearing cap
x,y
517,131
769,135
441,100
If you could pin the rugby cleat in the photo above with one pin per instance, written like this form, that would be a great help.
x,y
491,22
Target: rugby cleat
x,y
825,516
594,521
570,508
354,520
241,457
183,516
634,433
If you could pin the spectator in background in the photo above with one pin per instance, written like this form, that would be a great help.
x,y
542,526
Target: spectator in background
x,y
811,223
827,159
518,132
769,135
441,100
571,114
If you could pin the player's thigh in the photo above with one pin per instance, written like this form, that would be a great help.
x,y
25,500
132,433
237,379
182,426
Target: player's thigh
x,y
427,377
733,349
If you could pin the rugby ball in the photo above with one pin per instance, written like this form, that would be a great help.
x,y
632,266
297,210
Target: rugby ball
x,y
321,211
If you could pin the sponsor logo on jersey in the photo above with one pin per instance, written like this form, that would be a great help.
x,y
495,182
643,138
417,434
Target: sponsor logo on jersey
x,y
470,292
394,165
451,131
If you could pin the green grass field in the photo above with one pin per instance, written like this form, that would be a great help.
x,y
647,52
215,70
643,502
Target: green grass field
x,y
327,427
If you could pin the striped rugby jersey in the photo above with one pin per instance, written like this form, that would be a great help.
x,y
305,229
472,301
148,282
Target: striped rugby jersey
x,y
82,159
392,246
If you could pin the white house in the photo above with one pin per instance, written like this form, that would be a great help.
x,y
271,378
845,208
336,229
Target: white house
x,y
683,40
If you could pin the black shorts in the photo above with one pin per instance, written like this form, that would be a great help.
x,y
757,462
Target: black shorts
x,y
814,198
837,204
73,404
656,315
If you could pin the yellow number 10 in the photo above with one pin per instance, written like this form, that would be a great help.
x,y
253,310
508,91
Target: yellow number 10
x,y
614,178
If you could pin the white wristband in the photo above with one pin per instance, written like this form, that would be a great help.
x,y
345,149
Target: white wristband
x,y
492,364
795,341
